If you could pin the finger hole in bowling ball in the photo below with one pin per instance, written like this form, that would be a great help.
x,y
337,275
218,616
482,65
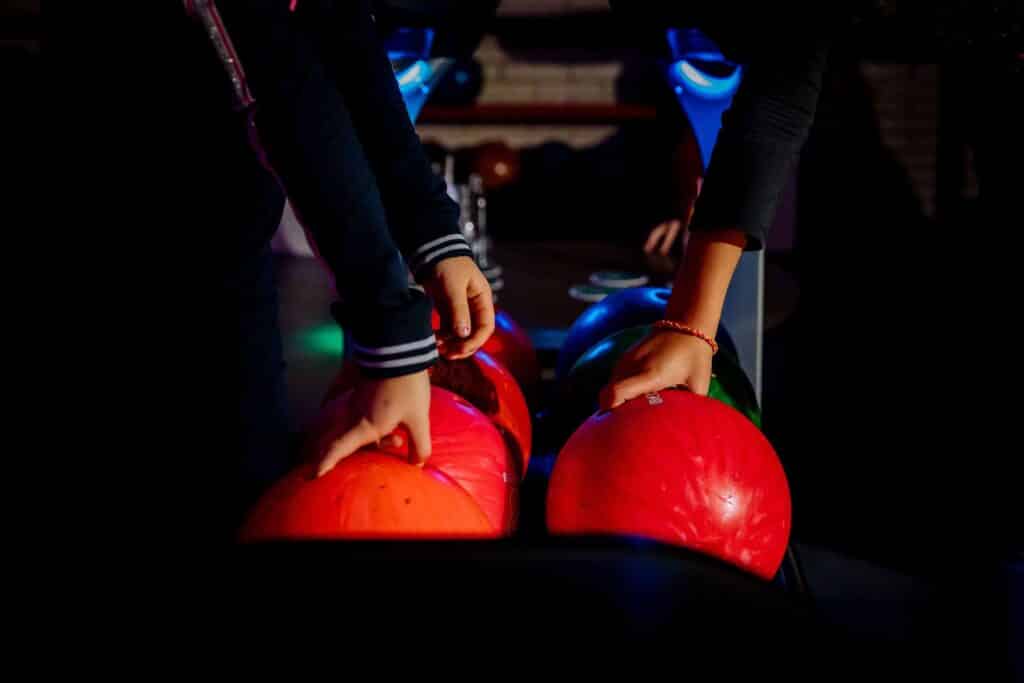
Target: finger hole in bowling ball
x,y
466,379
661,296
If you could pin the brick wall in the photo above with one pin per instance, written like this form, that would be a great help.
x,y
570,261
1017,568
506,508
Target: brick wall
x,y
508,81
906,99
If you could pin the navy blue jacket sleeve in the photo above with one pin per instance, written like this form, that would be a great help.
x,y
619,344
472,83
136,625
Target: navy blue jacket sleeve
x,y
422,217
313,145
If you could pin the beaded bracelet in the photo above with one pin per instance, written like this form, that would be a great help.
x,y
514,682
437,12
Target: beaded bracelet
x,y
673,326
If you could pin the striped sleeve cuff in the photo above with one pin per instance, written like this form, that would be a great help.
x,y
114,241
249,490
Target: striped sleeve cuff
x,y
435,250
397,359
388,336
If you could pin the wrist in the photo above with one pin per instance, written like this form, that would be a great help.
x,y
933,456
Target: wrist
x,y
702,310
675,327
425,259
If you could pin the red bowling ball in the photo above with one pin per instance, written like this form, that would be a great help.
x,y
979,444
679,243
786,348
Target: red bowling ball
x,y
492,389
511,346
482,381
678,468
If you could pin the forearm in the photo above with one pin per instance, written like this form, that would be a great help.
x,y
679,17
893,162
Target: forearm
x,y
311,142
709,261
761,137
313,147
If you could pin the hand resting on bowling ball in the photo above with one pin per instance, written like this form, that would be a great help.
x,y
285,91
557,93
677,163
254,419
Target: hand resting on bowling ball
x,y
667,358
377,408
463,298
664,359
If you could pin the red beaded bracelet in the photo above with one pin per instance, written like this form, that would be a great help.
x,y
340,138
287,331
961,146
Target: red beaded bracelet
x,y
673,326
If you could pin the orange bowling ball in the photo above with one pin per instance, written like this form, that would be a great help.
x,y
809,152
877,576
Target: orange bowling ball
x,y
370,495
466,446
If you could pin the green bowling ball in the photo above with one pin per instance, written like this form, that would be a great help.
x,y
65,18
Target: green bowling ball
x,y
729,384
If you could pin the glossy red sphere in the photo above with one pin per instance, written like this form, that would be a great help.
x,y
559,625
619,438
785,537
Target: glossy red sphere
x,y
678,468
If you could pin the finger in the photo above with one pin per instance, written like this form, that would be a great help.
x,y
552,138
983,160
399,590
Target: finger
x,y
419,441
363,434
631,363
617,393
481,307
670,237
444,348
458,309
626,367
394,440
652,239
445,324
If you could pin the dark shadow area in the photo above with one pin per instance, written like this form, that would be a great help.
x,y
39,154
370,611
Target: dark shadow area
x,y
889,416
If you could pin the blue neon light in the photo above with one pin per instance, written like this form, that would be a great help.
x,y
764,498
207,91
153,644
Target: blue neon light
x,y
417,79
701,84
687,71
413,75
410,43
704,97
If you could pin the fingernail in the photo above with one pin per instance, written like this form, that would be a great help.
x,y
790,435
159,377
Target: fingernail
x,y
462,330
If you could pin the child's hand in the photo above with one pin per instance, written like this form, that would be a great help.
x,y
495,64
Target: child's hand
x,y
664,359
662,237
463,299
376,409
